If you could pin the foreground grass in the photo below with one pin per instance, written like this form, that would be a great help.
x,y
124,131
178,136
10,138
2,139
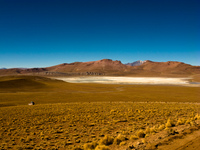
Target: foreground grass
x,y
88,125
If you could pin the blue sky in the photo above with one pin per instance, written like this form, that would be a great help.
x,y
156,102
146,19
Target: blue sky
x,y
41,33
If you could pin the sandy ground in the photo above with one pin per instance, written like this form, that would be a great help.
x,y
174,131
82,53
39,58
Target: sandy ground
x,y
190,142
129,80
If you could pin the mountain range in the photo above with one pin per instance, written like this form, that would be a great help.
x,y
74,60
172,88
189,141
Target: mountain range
x,y
110,67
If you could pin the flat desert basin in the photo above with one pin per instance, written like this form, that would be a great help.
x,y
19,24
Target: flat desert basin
x,y
129,80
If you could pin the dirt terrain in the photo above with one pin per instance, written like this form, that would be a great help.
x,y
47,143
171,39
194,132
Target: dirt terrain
x,y
189,142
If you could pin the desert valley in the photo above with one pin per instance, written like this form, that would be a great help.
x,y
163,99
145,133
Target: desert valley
x,y
101,105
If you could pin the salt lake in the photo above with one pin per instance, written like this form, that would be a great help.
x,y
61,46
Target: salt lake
x,y
128,80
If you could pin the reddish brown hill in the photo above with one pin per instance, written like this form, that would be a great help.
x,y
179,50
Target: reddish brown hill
x,y
169,68
110,67
15,71
106,66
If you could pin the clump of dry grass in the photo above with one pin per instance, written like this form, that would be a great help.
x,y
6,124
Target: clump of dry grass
x,y
153,130
107,140
161,127
169,123
120,138
77,148
181,121
170,131
197,117
190,121
140,134
102,147
90,146
133,137
147,131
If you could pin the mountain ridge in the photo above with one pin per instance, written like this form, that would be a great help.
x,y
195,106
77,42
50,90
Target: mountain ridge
x,y
111,67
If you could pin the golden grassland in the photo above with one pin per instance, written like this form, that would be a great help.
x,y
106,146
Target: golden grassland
x,y
87,125
93,116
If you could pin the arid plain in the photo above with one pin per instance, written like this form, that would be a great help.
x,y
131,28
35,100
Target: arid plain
x,y
96,116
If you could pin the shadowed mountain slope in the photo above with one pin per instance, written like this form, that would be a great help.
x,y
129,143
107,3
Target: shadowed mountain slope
x,y
25,83
20,83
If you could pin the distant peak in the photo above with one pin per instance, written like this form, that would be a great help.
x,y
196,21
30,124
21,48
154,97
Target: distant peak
x,y
149,61
140,61
136,63
108,60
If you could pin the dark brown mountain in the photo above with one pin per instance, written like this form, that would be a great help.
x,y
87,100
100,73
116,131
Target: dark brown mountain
x,y
110,67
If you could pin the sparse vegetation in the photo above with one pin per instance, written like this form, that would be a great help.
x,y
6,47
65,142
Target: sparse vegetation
x,y
82,124
88,125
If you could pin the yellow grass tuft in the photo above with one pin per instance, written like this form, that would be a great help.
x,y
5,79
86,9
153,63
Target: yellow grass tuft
x,y
181,121
107,140
102,147
161,127
197,117
133,137
120,138
140,134
90,146
169,123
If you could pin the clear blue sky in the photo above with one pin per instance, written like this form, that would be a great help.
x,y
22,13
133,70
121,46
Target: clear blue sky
x,y
41,33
